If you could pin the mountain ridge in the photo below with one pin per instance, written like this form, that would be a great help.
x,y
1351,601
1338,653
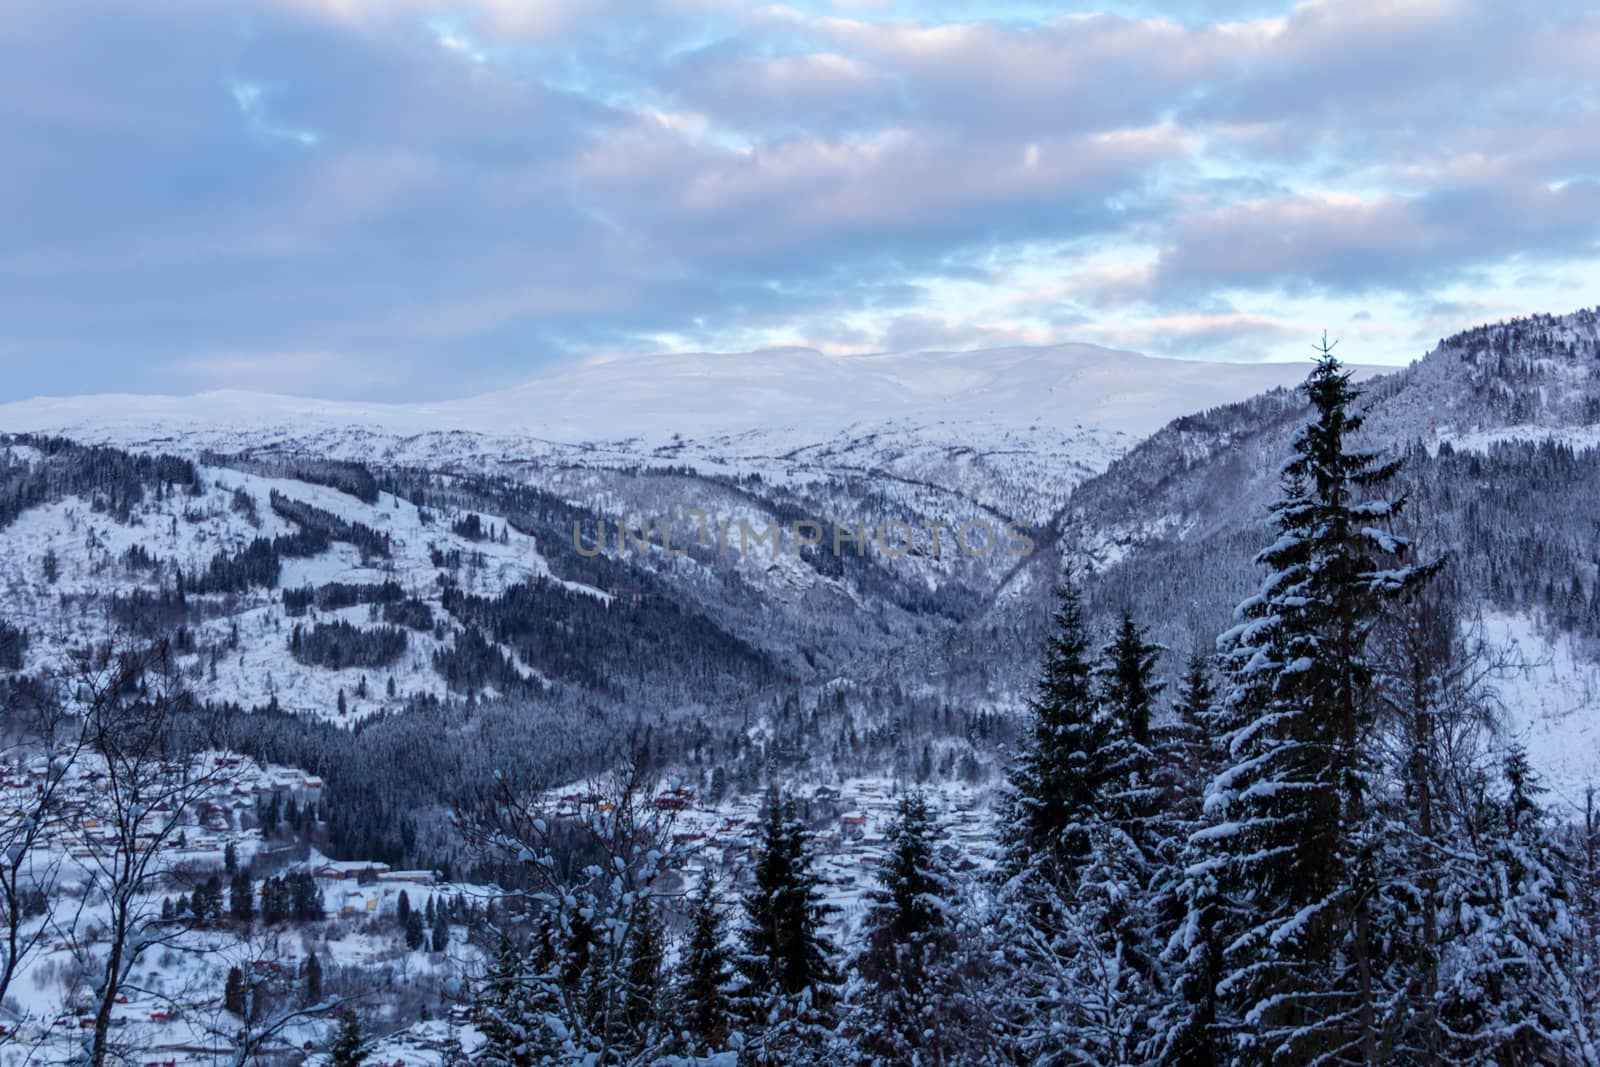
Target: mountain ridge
x,y
786,393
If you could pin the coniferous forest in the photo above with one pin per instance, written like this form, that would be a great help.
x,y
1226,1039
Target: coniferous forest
x,y
799,533
371,756
1307,848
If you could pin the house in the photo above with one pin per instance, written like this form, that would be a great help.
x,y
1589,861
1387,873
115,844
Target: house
x,y
341,870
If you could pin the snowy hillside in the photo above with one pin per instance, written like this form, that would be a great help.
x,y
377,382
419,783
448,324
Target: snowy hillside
x,y
1498,427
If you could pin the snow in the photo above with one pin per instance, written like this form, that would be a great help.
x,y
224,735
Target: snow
x,y
797,391
1011,430
89,546
1551,701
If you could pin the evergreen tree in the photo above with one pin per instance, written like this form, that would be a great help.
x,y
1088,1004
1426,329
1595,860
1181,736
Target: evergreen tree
x,y
1127,697
402,910
1182,1031
1128,689
506,1013
303,898
212,890
414,931
242,897
787,960
1512,986
646,957
441,931
903,1007
1054,787
350,1047
704,975
313,979
233,992
1294,837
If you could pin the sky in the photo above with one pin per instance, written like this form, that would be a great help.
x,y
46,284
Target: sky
x,y
403,199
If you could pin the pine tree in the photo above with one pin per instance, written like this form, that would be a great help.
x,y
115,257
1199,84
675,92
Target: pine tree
x,y
1054,787
1189,755
506,1014
1512,987
402,910
304,898
787,963
313,979
414,931
242,898
1127,697
704,974
350,1047
1294,836
441,931
646,956
233,992
903,1006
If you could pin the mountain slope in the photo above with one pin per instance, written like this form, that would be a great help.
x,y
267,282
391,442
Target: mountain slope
x,y
1498,427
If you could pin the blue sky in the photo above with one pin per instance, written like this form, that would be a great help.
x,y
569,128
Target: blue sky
x,y
401,199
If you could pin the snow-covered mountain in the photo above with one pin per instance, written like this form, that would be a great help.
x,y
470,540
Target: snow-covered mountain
x,y
794,395
1009,431
1498,427
307,555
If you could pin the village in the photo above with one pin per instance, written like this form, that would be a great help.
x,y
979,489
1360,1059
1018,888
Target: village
x,y
207,822
205,825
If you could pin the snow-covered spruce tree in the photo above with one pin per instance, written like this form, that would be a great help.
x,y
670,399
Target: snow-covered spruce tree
x,y
1053,790
1436,721
505,1015
1294,842
904,1005
1128,691
1511,981
580,994
790,982
1188,755
1074,910
704,1013
642,1010
350,1046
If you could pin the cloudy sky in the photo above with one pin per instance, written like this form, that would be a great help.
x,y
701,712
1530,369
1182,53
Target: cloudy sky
x,y
402,198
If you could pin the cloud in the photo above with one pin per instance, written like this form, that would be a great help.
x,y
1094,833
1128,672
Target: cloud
x,y
925,332
462,190
1345,242
306,373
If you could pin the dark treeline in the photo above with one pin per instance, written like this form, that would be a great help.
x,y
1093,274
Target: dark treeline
x,y
347,476
313,519
331,596
260,562
114,481
608,645
340,645
13,645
